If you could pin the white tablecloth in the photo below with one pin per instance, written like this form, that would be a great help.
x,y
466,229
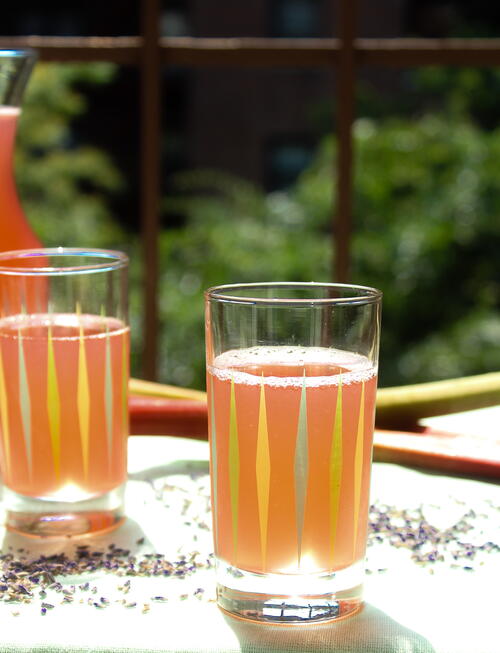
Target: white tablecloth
x,y
410,606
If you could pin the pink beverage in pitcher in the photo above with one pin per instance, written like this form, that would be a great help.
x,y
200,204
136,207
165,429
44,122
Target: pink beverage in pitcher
x,y
15,71
15,232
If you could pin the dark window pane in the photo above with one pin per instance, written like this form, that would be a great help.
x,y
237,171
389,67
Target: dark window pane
x,y
381,19
295,18
232,119
452,18
110,18
285,160
262,18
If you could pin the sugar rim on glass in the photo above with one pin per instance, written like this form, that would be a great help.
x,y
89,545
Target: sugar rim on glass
x,y
225,366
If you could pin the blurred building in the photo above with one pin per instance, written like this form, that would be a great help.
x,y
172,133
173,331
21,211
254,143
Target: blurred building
x,y
258,123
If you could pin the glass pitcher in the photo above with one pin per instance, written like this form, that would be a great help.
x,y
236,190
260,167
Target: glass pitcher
x,y
15,71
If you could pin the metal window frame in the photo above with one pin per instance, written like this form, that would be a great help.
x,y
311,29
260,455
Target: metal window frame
x,y
346,54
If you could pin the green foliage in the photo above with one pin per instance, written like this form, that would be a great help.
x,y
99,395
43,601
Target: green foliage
x,y
427,229
460,92
427,233
234,233
427,199
65,186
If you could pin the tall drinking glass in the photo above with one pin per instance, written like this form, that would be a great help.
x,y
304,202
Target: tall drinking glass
x,y
64,368
291,378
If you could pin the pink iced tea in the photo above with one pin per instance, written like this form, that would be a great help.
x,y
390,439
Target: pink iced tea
x,y
291,448
63,404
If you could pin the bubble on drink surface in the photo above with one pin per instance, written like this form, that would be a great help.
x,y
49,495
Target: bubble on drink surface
x,y
238,365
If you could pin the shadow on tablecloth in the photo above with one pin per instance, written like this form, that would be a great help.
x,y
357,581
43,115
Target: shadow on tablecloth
x,y
126,536
370,631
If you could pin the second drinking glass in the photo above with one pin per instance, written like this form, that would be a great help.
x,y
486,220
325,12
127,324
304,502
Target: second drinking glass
x,y
64,369
291,379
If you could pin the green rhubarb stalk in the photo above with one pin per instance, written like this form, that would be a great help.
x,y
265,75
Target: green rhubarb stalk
x,y
397,407
160,390
404,405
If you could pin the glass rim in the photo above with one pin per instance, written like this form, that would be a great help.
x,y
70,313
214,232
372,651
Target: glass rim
x,y
223,293
109,260
18,52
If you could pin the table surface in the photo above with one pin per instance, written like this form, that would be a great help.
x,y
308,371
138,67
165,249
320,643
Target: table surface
x,y
439,596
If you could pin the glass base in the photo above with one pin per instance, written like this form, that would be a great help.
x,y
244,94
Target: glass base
x,y
286,598
47,518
